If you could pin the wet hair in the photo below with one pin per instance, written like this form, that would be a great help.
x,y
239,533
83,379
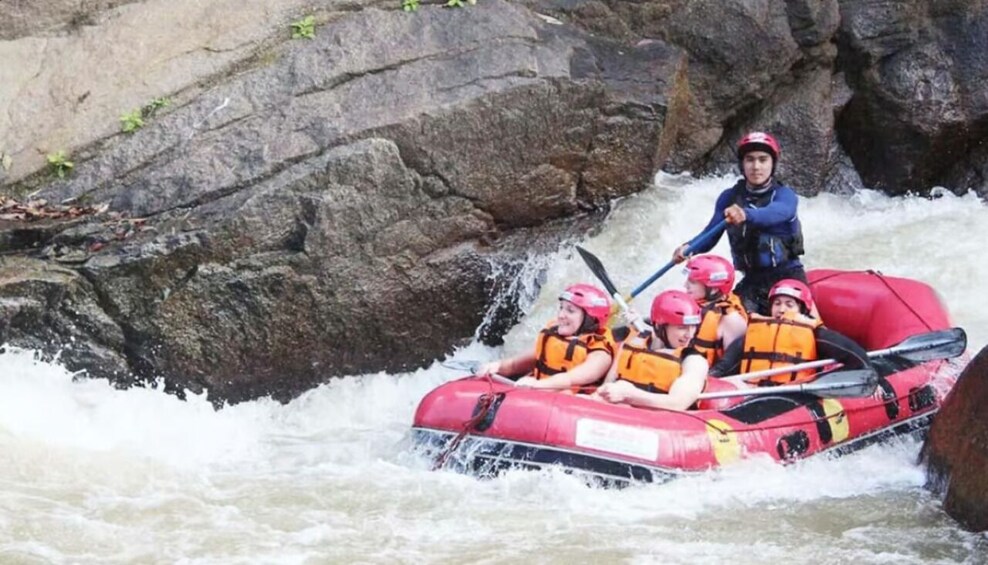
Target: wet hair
x,y
711,294
589,324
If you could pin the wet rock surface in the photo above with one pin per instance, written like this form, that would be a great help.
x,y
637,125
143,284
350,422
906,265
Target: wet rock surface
x,y
956,451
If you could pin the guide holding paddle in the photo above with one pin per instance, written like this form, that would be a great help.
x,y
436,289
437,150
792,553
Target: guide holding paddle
x,y
761,224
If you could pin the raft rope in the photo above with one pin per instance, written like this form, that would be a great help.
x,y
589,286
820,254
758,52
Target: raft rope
x,y
484,403
843,412
888,285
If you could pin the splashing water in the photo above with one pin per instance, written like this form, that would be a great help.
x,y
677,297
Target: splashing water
x,y
92,474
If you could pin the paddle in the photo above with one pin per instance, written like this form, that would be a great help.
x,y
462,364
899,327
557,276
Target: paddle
x,y
598,270
465,366
940,344
695,242
839,384
472,367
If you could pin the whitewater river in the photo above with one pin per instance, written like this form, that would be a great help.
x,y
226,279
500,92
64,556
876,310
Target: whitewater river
x,y
91,474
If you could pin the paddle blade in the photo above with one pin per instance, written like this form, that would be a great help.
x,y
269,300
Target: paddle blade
x,y
598,270
942,344
842,384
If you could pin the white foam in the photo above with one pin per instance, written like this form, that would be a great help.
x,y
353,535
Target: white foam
x,y
94,474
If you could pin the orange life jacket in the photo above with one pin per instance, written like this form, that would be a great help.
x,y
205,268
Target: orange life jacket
x,y
556,354
707,341
771,342
652,371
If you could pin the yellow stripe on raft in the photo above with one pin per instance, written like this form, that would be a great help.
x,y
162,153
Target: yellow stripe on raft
x,y
837,419
724,441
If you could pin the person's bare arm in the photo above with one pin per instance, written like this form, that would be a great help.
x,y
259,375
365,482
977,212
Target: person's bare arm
x,y
588,372
511,367
682,394
732,327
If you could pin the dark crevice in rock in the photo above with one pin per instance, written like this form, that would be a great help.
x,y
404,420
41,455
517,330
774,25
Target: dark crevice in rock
x,y
515,74
184,280
306,218
221,127
28,239
135,342
340,80
452,190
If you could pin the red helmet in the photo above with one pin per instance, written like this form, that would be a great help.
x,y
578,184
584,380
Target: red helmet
x,y
594,302
759,141
712,271
795,289
675,307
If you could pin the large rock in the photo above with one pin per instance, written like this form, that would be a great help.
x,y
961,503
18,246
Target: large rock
x,y
756,65
918,116
69,69
920,106
801,116
339,209
956,451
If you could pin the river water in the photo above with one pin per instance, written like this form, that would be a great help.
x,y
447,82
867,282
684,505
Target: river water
x,y
92,474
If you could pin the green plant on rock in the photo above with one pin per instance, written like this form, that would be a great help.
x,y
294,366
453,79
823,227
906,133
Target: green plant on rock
x,y
459,3
410,5
134,120
304,28
153,106
60,164
131,121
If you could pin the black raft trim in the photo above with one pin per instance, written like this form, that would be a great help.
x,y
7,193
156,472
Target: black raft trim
x,y
761,408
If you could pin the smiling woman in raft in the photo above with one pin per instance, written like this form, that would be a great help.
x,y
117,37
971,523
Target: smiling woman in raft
x,y
573,351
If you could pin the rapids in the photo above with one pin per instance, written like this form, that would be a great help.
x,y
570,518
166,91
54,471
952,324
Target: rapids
x,y
93,474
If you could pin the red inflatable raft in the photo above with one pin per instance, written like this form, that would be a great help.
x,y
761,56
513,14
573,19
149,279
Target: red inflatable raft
x,y
483,425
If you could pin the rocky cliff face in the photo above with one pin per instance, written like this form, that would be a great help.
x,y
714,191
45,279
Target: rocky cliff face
x,y
919,114
317,207
336,207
